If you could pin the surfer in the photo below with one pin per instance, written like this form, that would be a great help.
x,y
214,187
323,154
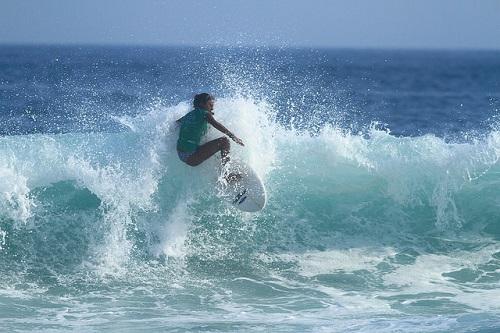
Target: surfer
x,y
194,126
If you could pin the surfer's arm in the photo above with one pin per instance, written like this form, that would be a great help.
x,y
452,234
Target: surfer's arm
x,y
211,120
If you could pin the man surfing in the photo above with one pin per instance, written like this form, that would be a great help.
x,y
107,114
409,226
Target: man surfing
x,y
193,127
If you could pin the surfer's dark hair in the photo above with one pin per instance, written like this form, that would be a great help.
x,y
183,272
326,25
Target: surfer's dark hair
x,y
201,99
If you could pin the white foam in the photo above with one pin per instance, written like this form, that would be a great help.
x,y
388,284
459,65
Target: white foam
x,y
174,232
325,262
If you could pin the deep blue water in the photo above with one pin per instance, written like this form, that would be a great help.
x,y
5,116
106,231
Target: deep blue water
x,y
381,168
411,92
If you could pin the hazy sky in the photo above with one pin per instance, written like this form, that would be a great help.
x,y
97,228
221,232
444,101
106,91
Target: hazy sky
x,y
323,23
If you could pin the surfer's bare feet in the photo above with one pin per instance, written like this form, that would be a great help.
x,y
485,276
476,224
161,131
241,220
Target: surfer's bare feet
x,y
233,177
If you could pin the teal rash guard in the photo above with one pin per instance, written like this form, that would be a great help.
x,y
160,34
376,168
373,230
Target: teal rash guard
x,y
194,126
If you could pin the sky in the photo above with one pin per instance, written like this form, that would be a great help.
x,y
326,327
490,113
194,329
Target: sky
x,y
448,24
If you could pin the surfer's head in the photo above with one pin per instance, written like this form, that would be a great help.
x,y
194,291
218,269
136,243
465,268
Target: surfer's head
x,y
204,101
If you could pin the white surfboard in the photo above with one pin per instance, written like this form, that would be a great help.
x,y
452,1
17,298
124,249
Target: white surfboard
x,y
248,193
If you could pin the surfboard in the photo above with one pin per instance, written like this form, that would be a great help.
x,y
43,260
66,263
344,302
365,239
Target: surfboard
x,y
248,193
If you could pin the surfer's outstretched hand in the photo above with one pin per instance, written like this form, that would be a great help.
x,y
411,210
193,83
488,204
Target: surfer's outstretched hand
x,y
237,140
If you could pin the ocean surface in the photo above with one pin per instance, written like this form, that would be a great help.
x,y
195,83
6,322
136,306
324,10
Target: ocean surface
x,y
381,167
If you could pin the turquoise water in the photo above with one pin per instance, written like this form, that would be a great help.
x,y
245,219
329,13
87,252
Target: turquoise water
x,y
103,229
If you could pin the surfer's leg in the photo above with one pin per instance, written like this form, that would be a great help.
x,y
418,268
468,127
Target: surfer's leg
x,y
208,149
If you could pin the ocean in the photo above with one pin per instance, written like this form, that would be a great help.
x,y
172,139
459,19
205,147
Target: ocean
x,y
381,169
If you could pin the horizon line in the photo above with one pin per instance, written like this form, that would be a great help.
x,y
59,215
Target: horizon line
x,y
249,46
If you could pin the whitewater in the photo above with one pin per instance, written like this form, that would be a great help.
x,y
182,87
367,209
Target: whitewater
x,y
365,230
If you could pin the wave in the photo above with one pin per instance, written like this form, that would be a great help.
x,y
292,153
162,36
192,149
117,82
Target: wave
x,y
102,200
